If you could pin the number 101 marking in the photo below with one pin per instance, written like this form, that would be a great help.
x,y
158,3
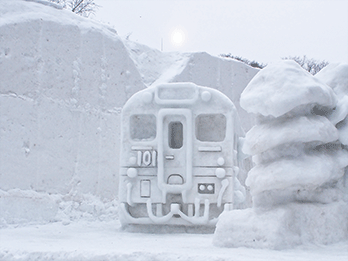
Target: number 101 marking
x,y
147,158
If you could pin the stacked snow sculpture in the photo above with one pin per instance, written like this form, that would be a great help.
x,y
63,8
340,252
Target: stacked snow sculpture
x,y
297,183
294,143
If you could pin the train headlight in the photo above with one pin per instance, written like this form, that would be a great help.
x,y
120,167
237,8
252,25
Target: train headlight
x,y
206,188
210,187
202,187
132,160
220,173
132,172
206,96
220,161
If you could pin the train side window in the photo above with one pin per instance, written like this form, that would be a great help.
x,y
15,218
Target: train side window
x,y
211,127
143,127
175,135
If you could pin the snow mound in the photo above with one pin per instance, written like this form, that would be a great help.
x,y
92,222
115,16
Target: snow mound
x,y
283,86
295,130
45,2
154,66
304,173
335,75
283,227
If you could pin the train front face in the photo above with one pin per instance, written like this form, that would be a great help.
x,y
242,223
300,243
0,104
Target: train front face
x,y
177,156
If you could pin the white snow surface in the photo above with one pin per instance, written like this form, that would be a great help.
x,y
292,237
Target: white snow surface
x,y
99,241
283,86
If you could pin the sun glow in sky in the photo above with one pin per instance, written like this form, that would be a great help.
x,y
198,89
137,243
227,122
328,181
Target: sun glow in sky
x,y
261,30
178,37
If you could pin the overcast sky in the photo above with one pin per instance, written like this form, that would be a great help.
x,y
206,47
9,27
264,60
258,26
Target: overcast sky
x,y
261,30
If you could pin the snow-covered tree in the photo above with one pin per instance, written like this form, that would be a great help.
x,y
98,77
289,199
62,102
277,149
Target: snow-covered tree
x,y
294,146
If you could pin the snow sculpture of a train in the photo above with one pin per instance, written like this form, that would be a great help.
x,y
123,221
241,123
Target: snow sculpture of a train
x,y
178,156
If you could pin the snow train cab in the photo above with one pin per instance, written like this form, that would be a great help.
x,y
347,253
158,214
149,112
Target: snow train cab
x,y
178,156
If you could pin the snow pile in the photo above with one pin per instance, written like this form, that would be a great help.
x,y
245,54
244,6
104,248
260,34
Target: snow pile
x,y
154,66
283,227
299,178
30,207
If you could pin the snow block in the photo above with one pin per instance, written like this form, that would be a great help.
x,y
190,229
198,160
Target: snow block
x,y
283,227
64,79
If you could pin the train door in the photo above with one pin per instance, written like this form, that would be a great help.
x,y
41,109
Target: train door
x,y
174,151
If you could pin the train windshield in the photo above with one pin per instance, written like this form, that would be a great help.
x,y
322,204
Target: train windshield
x,y
176,135
211,127
143,127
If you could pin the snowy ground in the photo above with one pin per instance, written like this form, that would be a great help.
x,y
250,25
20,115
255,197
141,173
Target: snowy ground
x,y
106,241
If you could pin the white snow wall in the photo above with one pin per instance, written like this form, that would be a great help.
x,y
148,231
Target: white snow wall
x,y
63,82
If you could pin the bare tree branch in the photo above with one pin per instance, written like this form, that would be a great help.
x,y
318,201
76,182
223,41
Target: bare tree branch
x,y
81,7
310,65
